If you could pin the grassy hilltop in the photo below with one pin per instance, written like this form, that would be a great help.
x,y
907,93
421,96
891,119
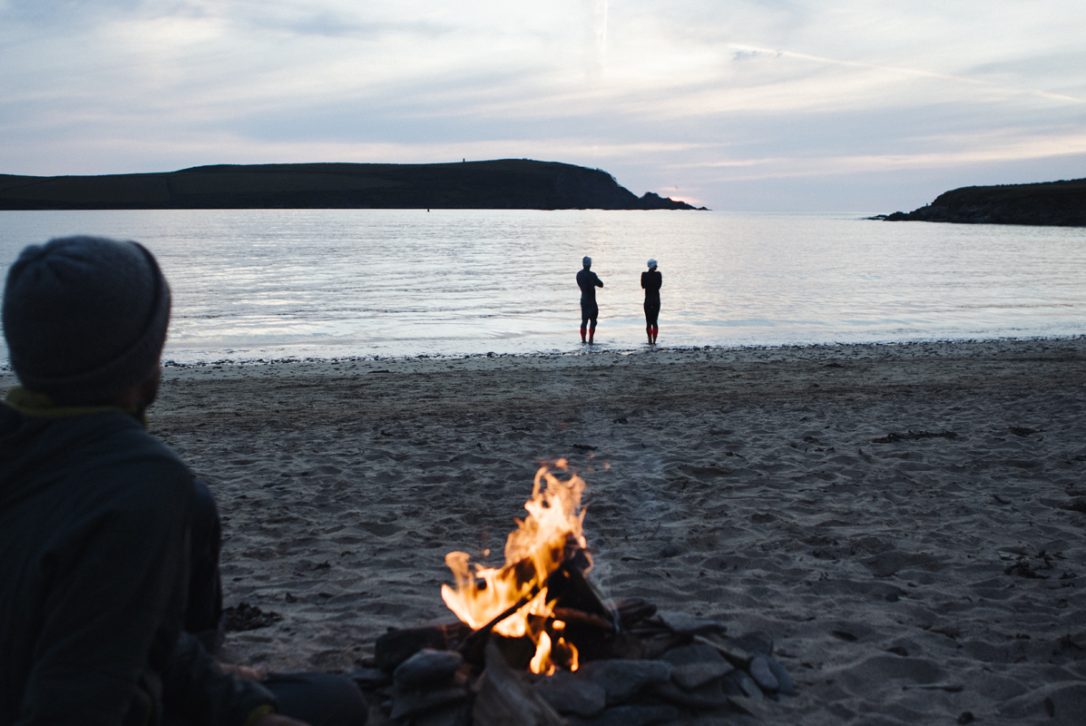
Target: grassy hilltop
x,y
1058,203
501,184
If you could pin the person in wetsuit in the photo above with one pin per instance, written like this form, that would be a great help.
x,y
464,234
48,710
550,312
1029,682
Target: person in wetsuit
x,y
588,282
651,280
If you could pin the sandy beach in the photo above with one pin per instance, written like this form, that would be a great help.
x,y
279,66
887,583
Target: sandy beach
x,y
907,522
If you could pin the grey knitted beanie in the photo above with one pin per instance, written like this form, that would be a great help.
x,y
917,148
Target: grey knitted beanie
x,y
85,317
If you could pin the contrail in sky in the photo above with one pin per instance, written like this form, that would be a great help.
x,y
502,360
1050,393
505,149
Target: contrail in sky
x,y
902,70
599,17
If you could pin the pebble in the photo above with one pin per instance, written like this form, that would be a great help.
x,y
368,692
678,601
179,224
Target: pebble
x,y
408,703
682,623
623,679
695,665
568,693
747,685
762,674
427,667
710,696
787,685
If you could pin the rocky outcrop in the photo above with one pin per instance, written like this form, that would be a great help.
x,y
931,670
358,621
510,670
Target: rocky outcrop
x,y
1059,203
502,184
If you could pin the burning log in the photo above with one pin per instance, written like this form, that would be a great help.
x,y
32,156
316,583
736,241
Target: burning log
x,y
546,559
474,645
570,586
572,615
582,609
480,633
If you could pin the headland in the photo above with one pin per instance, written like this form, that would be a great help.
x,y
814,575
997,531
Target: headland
x,y
499,184
1055,204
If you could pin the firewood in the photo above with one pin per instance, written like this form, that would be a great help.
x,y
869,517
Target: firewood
x,y
573,615
504,699
633,610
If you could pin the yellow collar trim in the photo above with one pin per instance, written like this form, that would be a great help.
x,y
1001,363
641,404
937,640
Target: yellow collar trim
x,y
30,403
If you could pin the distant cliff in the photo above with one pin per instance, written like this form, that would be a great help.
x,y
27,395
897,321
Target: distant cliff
x,y
503,184
1059,203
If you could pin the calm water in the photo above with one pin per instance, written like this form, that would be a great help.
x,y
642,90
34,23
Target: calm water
x,y
300,283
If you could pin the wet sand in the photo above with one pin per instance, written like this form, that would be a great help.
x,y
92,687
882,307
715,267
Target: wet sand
x,y
908,522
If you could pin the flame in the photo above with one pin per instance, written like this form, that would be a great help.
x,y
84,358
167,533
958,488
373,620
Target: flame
x,y
533,551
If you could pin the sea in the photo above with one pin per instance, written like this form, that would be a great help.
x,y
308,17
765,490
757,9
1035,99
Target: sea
x,y
252,285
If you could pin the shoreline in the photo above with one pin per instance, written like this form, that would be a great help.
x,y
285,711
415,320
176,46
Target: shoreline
x,y
928,344
904,520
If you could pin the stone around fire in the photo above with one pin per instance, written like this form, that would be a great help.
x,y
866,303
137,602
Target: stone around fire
x,y
427,667
622,679
695,665
569,694
682,623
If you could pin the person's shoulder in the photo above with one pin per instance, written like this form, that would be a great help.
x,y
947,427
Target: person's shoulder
x,y
122,430
147,449
128,457
106,467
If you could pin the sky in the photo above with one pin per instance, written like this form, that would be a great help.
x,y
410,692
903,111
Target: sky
x,y
823,106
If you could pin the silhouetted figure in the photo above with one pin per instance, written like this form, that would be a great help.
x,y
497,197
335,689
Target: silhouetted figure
x,y
588,282
651,280
111,600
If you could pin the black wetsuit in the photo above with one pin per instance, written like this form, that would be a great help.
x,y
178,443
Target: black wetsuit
x,y
588,282
652,280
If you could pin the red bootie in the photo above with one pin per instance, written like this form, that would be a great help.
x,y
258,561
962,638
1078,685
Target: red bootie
x,y
655,332
583,331
591,336
648,332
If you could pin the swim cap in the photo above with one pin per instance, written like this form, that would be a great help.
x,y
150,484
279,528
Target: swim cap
x,y
586,261
652,264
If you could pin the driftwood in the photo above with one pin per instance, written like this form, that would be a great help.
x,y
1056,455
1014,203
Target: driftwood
x,y
573,615
396,646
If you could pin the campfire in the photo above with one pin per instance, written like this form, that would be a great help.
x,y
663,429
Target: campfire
x,y
545,556
536,642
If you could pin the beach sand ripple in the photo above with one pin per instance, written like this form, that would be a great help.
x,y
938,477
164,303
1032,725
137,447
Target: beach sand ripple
x,y
907,522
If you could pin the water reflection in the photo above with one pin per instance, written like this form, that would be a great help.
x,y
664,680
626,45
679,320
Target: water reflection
x,y
276,283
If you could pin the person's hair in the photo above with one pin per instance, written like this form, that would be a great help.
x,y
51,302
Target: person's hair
x,y
85,318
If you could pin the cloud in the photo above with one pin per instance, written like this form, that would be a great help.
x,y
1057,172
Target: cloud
x,y
717,91
886,73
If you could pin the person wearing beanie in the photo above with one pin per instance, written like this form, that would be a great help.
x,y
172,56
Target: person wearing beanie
x,y
590,311
85,318
651,281
111,601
